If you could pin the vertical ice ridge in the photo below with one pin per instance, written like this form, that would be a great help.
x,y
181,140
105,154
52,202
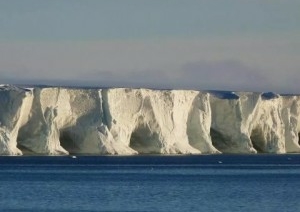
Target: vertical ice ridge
x,y
267,126
229,128
40,134
199,123
13,101
291,115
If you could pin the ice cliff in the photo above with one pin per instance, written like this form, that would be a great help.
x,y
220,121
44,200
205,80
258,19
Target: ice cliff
x,y
124,121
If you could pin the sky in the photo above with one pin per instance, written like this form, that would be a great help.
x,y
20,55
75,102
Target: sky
x,y
243,45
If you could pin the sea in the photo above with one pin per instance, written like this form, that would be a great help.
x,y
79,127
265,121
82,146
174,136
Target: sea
x,y
227,183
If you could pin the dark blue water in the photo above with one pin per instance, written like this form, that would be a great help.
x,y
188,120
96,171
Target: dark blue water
x,y
151,183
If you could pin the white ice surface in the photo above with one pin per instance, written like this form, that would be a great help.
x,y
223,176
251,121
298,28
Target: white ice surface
x,y
125,121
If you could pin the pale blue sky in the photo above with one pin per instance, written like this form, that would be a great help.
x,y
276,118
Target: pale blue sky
x,y
200,44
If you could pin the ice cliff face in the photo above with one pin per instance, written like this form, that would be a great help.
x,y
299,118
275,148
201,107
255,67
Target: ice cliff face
x,y
59,121
161,122
15,104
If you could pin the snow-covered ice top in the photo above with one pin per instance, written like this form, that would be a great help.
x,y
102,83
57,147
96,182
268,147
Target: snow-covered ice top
x,y
125,121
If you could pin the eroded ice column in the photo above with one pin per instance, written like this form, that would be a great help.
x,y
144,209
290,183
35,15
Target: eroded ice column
x,y
291,119
232,114
171,112
138,118
40,134
150,121
69,120
81,131
199,123
268,127
14,105
83,123
122,110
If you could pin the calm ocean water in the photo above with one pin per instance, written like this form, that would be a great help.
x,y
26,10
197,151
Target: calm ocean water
x,y
151,183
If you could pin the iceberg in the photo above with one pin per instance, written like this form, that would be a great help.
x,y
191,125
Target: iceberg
x,y
128,121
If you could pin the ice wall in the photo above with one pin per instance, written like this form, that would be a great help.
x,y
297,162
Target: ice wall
x,y
232,115
291,120
15,104
160,122
124,121
255,122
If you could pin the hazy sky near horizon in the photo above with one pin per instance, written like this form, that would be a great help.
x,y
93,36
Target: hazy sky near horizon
x,y
192,44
